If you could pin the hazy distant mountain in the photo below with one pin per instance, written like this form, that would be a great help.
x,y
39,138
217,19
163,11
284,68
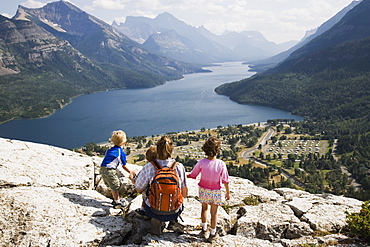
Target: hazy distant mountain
x,y
310,35
178,47
250,44
205,47
195,48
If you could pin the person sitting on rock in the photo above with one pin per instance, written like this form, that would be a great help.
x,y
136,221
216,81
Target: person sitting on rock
x,y
150,155
114,157
145,177
213,172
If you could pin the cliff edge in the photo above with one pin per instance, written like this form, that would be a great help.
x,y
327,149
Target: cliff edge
x,y
54,197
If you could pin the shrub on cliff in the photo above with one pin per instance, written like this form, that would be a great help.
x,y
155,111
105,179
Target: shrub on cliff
x,y
359,223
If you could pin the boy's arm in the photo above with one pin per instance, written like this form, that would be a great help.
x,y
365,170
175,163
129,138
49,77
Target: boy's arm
x,y
132,173
227,195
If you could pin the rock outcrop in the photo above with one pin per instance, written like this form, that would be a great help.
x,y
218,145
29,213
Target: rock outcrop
x,y
54,197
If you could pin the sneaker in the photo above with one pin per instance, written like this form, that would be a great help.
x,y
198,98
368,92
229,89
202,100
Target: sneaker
x,y
212,238
176,227
156,227
121,204
141,213
202,234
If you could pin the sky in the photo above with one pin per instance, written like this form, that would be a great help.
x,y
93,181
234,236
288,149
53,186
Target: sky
x,y
278,20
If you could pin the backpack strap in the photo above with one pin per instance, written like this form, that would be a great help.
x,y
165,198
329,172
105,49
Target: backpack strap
x,y
156,164
174,164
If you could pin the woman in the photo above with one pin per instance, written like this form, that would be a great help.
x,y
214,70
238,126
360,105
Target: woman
x,y
145,177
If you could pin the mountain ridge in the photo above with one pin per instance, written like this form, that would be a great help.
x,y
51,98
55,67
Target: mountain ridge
x,y
209,47
274,60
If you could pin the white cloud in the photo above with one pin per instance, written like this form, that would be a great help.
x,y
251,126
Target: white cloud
x,y
278,20
108,4
32,4
6,15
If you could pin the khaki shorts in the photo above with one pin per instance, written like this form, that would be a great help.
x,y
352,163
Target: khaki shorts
x,y
110,178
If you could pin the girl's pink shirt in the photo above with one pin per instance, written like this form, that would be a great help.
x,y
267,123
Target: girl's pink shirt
x,y
213,173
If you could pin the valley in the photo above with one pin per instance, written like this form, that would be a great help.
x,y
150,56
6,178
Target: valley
x,y
249,152
324,78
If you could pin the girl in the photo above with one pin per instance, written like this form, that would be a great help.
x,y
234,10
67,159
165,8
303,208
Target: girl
x,y
213,172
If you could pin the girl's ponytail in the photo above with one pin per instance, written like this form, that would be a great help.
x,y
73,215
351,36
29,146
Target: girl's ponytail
x,y
164,148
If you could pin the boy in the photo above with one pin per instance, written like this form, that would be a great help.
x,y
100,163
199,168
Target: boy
x,y
114,157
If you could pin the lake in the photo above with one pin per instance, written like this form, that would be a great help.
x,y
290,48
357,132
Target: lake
x,y
187,104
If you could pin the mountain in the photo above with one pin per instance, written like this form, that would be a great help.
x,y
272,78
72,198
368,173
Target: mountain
x,y
116,53
54,53
40,72
325,79
310,35
205,47
149,31
173,45
250,44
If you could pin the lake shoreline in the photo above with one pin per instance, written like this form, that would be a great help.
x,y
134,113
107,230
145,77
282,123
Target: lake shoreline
x,y
262,124
188,104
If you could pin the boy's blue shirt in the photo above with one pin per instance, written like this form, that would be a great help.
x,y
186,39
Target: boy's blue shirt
x,y
114,157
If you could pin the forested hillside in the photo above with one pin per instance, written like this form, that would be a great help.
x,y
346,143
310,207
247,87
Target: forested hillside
x,y
42,73
328,81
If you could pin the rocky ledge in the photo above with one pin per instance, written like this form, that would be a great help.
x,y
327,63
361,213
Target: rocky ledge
x,y
54,197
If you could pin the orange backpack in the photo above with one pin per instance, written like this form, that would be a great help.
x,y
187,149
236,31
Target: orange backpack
x,y
165,196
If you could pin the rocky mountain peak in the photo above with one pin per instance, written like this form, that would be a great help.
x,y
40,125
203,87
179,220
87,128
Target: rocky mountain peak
x,y
61,16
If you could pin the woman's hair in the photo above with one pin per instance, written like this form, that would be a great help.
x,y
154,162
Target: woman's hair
x,y
164,148
212,146
118,138
151,153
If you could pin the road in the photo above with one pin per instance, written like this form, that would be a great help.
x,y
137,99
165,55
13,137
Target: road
x,y
344,169
248,153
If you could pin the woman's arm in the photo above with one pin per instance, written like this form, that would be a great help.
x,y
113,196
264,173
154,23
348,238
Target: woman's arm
x,y
184,192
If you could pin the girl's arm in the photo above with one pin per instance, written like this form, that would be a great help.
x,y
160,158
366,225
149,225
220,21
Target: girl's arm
x,y
227,195
194,173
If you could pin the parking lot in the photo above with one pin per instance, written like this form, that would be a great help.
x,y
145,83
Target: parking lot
x,y
297,147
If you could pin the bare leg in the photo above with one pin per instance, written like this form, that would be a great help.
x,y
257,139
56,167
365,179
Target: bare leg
x,y
203,214
115,195
214,208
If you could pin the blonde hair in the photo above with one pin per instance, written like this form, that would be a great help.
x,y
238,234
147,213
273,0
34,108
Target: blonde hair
x,y
164,148
118,138
151,153
212,146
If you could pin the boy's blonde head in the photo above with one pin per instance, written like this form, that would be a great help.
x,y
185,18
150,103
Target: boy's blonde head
x,y
118,138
